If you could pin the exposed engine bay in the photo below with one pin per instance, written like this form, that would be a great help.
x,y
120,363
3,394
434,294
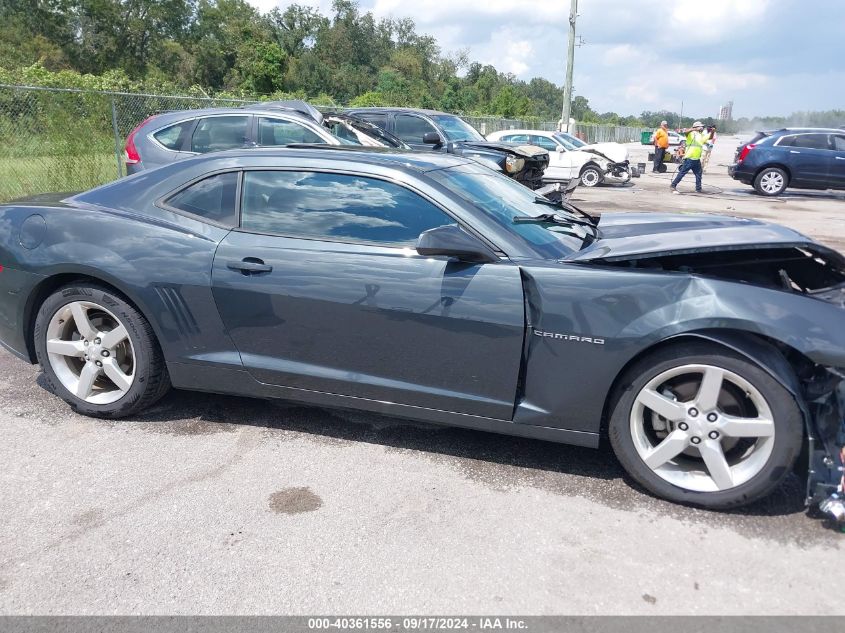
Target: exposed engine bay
x,y
795,269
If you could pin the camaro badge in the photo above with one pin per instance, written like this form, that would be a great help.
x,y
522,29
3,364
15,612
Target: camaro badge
x,y
569,337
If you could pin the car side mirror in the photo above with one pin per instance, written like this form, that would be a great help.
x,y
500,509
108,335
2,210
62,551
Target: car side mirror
x,y
561,149
452,241
432,138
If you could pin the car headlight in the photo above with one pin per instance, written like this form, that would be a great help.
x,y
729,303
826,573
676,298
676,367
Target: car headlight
x,y
514,165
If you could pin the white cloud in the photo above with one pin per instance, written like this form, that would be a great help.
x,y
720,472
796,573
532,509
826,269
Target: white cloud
x,y
711,18
437,11
648,54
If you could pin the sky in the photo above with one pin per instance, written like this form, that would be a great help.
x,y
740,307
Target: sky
x,y
770,57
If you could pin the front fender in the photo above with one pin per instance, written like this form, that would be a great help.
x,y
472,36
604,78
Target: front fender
x,y
568,375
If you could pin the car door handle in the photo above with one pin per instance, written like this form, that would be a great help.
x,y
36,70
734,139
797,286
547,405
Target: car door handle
x,y
792,151
839,157
249,266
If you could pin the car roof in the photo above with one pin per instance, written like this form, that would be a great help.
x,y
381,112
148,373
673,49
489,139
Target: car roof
x,y
385,156
793,130
178,115
148,185
538,132
398,109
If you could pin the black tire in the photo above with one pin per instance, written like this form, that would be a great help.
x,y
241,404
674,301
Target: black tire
x,y
765,182
151,380
591,176
788,423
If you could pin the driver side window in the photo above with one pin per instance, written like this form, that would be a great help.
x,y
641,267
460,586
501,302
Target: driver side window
x,y
337,207
544,142
411,129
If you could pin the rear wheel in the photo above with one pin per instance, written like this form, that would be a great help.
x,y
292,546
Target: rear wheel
x,y
771,181
700,425
98,353
591,176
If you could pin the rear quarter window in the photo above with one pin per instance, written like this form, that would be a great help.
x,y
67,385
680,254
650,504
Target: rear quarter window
x,y
173,137
211,199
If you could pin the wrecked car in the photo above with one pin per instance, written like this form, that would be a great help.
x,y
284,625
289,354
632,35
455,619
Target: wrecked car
x,y
709,350
589,166
430,130
361,132
165,138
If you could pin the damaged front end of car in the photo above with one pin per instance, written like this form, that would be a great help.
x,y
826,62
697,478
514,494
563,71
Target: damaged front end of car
x,y
826,449
619,170
815,272
524,163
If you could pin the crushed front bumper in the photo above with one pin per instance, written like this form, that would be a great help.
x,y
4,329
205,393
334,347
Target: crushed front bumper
x,y
826,453
622,172
531,175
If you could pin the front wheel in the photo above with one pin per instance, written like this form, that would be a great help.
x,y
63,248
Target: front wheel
x,y
98,353
699,425
771,181
591,176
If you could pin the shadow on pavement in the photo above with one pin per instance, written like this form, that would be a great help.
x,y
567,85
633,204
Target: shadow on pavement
x,y
497,460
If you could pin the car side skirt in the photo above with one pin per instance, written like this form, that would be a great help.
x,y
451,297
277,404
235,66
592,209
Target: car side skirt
x,y
239,382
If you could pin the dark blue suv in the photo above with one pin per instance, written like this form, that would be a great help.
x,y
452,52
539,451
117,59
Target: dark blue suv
x,y
804,158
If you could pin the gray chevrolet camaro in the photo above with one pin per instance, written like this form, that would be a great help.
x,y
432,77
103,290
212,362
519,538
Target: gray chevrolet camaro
x,y
709,350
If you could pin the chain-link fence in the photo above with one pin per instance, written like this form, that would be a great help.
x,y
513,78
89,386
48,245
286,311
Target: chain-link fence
x,y
489,124
598,133
55,139
61,140
589,132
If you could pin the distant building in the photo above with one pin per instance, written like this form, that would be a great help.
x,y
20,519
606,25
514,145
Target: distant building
x,y
726,111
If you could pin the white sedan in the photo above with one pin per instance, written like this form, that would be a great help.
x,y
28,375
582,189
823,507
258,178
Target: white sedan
x,y
571,159
675,138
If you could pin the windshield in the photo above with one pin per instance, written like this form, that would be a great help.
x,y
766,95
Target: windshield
x,y
504,199
456,129
565,142
572,140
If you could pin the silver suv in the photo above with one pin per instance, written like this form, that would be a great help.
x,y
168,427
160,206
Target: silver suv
x,y
164,138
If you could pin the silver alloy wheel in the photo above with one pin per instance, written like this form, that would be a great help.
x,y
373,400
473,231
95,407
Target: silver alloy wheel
x,y
771,182
590,178
693,443
90,351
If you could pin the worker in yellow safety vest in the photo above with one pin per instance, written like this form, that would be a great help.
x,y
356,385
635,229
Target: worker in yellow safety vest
x,y
696,138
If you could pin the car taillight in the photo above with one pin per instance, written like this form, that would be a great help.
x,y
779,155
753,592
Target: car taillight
x,y
744,152
132,156
1,268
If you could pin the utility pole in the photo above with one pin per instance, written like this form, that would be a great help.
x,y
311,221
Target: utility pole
x,y
570,62
681,118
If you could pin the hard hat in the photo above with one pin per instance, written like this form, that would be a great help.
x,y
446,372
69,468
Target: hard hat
x,y
698,124
664,123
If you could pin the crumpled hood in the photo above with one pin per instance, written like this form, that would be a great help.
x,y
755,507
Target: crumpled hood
x,y
637,235
612,151
526,151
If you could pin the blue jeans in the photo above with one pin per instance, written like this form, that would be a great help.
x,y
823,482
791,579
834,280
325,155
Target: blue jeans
x,y
693,164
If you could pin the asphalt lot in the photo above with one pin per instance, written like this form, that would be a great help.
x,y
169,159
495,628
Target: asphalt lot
x,y
210,504
819,214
